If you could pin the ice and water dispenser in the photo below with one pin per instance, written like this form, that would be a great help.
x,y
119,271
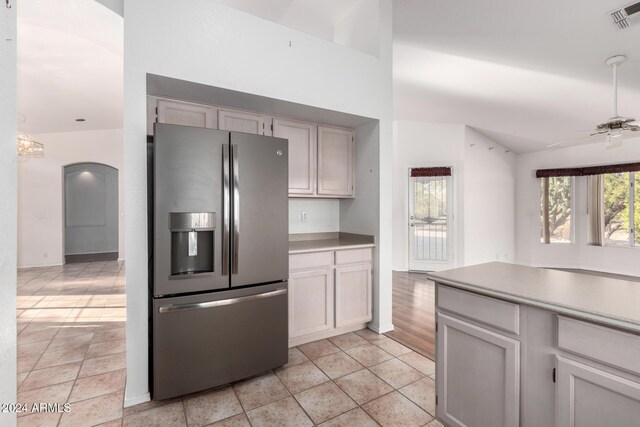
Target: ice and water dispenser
x,y
192,242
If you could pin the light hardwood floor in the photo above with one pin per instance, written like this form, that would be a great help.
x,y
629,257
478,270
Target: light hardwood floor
x,y
414,312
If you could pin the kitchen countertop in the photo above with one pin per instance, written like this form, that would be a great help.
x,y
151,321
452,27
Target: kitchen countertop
x,y
318,242
609,301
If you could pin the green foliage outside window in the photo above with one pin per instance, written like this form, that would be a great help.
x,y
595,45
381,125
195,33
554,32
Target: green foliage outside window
x,y
559,208
430,199
617,209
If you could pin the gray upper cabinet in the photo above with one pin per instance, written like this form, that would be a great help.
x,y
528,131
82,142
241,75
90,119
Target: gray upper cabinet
x,y
478,375
302,155
186,113
590,397
241,121
335,162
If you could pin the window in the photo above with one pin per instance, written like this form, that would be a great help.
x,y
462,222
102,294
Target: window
x,y
621,208
556,209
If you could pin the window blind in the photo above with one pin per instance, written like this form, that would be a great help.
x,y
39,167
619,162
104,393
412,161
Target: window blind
x,y
589,170
436,171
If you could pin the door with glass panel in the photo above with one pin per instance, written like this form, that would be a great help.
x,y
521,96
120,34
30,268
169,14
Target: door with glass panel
x,y
430,214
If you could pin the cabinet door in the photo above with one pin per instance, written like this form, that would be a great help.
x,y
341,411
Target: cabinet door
x,y
353,294
335,162
310,301
478,375
589,397
302,154
239,121
187,114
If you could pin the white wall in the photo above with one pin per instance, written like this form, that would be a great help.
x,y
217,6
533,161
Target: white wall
x,y
421,144
209,43
489,200
484,184
323,215
40,191
360,216
578,254
8,210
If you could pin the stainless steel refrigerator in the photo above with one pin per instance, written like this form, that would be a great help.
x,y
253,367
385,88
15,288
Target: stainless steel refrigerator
x,y
218,257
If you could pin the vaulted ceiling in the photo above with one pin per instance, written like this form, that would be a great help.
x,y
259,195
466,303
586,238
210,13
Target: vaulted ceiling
x,y
524,73
70,66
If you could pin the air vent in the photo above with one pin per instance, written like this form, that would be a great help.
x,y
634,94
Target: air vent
x,y
626,16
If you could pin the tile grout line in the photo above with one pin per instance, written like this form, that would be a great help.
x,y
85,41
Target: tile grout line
x,y
290,393
358,405
60,324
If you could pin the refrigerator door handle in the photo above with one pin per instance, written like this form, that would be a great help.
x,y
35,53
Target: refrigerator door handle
x,y
230,301
226,206
236,210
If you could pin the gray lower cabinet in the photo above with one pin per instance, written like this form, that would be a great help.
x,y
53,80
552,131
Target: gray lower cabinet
x,y
330,293
311,301
504,364
590,397
478,375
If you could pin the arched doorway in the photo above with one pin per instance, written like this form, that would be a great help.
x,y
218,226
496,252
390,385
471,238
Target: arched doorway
x,y
90,212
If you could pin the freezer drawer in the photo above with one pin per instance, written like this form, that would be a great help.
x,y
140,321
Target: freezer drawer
x,y
204,341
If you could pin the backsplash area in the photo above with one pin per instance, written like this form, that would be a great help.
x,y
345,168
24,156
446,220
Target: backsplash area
x,y
322,215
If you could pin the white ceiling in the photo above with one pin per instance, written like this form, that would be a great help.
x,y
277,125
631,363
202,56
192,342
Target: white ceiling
x,y
353,23
524,73
70,65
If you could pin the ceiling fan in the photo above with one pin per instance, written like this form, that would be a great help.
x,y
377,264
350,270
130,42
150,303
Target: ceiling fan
x,y
614,129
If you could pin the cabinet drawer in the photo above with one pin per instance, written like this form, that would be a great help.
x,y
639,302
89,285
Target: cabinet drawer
x,y
314,259
352,256
606,345
501,314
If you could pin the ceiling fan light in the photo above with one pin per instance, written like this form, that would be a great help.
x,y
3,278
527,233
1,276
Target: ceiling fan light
x,y
615,136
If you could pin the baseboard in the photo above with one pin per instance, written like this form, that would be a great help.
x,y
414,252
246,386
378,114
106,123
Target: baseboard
x,y
39,265
381,329
99,256
325,334
136,400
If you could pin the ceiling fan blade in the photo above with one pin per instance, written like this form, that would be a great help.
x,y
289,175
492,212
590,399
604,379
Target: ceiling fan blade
x,y
570,142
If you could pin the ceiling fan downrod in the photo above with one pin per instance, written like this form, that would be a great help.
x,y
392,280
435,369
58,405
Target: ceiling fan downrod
x,y
613,62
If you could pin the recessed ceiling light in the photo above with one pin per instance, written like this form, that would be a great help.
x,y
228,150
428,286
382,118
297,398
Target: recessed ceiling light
x,y
80,120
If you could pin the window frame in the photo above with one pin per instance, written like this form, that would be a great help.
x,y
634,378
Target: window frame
x,y
572,195
631,243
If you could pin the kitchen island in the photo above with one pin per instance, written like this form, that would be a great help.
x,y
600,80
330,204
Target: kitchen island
x,y
536,347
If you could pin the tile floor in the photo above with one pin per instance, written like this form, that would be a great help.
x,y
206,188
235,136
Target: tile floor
x,y
71,349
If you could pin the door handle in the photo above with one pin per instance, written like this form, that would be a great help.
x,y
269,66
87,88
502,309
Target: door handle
x,y
220,303
226,205
236,209
411,224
